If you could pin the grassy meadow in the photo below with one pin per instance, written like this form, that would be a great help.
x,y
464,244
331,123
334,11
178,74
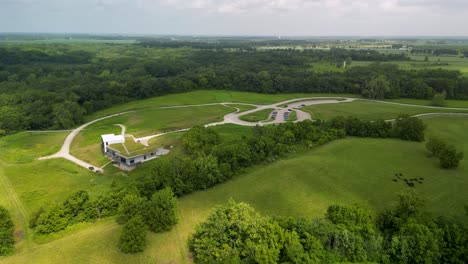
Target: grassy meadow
x,y
207,97
369,110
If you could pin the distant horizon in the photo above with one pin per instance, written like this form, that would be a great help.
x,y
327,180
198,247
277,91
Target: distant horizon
x,y
233,35
239,17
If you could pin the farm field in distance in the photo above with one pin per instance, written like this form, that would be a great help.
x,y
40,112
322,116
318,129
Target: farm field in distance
x,y
338,172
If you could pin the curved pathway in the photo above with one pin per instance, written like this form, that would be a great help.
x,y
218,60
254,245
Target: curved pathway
x,y
232,118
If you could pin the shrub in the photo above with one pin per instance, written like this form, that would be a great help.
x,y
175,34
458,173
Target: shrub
x,y
435,146
447,154
450,158
439,99
6,233
409,128
133,237
161,211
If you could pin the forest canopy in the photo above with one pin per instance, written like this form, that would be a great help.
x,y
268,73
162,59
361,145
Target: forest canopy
x,y
55,86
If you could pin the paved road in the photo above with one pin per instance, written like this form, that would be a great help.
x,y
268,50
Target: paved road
x,y
232,118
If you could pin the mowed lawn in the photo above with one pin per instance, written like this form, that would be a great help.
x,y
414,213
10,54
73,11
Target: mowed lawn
x,y
207,97
448,103
369,110
257,116
352,170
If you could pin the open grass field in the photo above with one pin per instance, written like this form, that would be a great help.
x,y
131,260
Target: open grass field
x,y
153,121
258,116
370,110
339,172
207,97
448,103
241,107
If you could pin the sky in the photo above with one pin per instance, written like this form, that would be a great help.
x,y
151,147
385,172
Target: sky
x,y
239,17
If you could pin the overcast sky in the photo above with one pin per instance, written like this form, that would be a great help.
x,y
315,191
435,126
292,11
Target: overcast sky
x,y
239,17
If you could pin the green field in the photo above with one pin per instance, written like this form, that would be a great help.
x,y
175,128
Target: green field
x,y
262,115
241,107
339,172
207,97
292,116
448,103
352,170
369,110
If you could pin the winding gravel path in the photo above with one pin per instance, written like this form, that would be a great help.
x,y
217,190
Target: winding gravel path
x,y
232,118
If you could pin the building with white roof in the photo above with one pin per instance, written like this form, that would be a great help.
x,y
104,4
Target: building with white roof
x,y
110,139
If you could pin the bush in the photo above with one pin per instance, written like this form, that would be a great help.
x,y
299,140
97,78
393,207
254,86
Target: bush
x,y
52,221
6,233
450,158
133,237
439,99
447,154
161,211
435,146
409,128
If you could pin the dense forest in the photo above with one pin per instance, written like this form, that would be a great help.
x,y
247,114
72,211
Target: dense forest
x,y
55,86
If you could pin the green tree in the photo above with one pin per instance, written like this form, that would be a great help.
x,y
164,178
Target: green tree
x,y
55,219
439,99
67,114
435,146
450,157
133,236
161,211
416,243
131,205
409,128
237,231
207,172
12,119
200,139
377,87
6,233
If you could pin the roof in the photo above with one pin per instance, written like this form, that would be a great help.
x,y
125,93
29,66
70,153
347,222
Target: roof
x,y
112,138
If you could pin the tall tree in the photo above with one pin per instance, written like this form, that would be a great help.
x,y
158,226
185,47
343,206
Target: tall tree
x,y
377,87
133,236
161,211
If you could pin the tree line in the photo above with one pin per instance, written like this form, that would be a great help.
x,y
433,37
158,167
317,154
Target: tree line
x,y
138,213
404,233
54,87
